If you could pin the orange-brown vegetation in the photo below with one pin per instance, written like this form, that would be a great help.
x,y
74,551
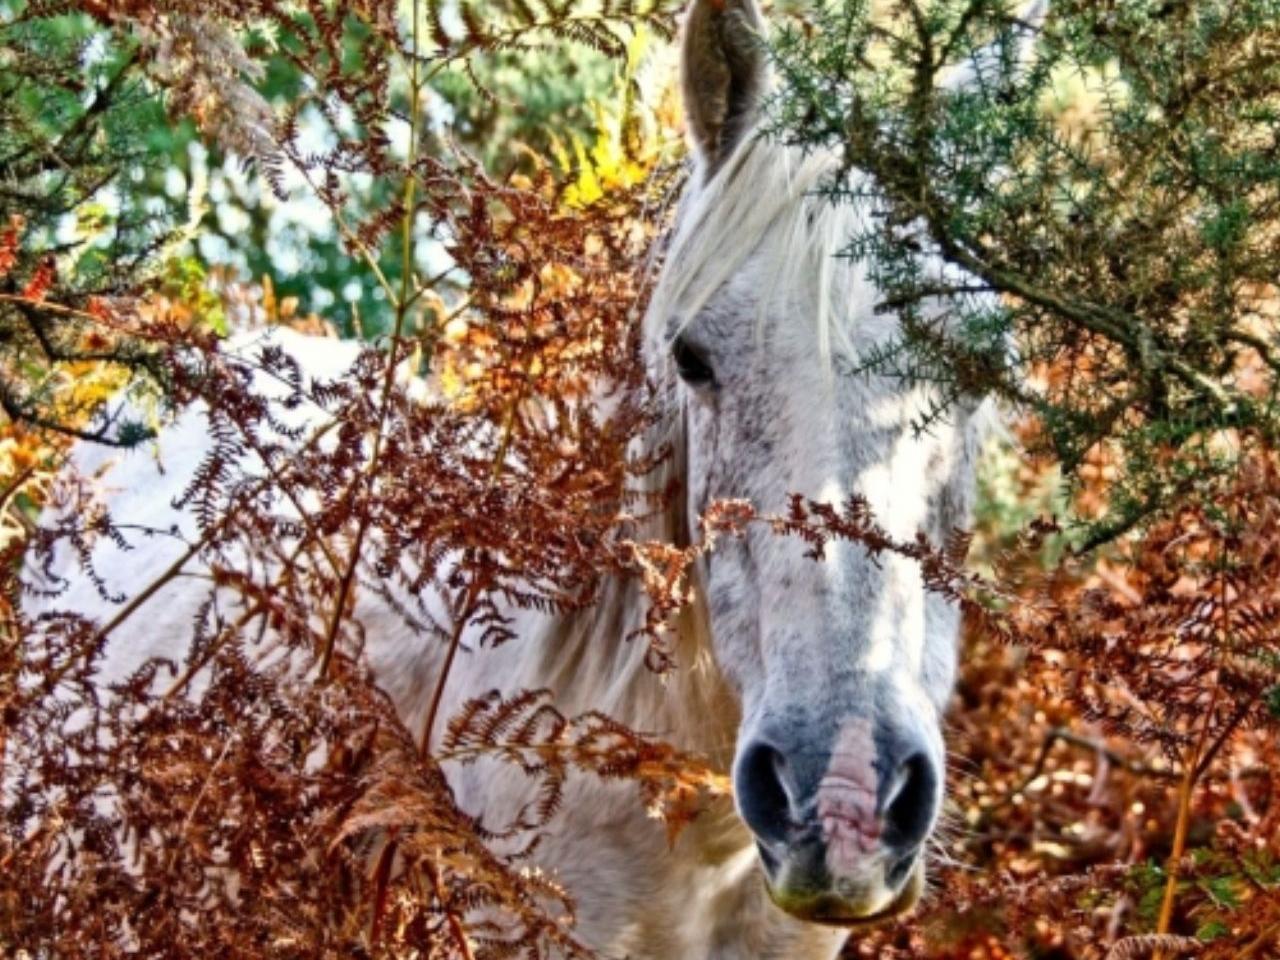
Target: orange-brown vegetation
x,y
1114,788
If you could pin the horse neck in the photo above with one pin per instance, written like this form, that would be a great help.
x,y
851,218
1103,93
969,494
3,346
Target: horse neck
x,y
593,659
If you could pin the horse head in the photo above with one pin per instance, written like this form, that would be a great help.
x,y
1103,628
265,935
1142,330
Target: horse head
x,y
843,665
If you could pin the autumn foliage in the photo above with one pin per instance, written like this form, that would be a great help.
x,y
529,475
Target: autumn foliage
x,y
1115,744
277,803
1114,733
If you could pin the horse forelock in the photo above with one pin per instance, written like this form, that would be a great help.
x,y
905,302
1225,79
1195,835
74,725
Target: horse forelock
x,y
763,201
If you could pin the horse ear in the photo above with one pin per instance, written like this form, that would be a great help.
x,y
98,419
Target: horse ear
x,y
724,74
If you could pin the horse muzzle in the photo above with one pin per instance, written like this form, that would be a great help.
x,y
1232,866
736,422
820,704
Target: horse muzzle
x,y
800,883
840,831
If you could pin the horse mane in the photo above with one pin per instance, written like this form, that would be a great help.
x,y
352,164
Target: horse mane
x,y
761,202
596,659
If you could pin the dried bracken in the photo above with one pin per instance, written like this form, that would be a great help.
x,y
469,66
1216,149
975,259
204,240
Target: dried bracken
x,y
258,792
1117,723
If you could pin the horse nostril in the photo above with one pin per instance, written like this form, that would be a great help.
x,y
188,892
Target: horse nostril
x,y
909,806
763,798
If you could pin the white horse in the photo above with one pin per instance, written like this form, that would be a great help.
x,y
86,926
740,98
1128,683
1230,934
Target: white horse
x,y
820,683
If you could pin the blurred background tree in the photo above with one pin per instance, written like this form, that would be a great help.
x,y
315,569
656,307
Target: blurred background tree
x,y
147,184
79,230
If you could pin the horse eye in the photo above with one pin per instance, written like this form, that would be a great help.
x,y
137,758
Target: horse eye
x,y
693,369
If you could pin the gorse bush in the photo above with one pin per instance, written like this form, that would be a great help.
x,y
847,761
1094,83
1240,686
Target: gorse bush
x,y
1101,185
1111,264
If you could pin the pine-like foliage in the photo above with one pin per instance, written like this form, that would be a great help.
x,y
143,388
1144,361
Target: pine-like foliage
x,y
1111,269
1101,189
74,247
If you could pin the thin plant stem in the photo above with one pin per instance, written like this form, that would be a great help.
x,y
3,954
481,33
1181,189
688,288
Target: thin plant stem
x,y
215,645
455,641
174,570
455,924
1192,770
1267,937
401,301
473,590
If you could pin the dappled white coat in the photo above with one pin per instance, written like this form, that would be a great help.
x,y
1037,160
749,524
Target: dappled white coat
x,y
635,896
